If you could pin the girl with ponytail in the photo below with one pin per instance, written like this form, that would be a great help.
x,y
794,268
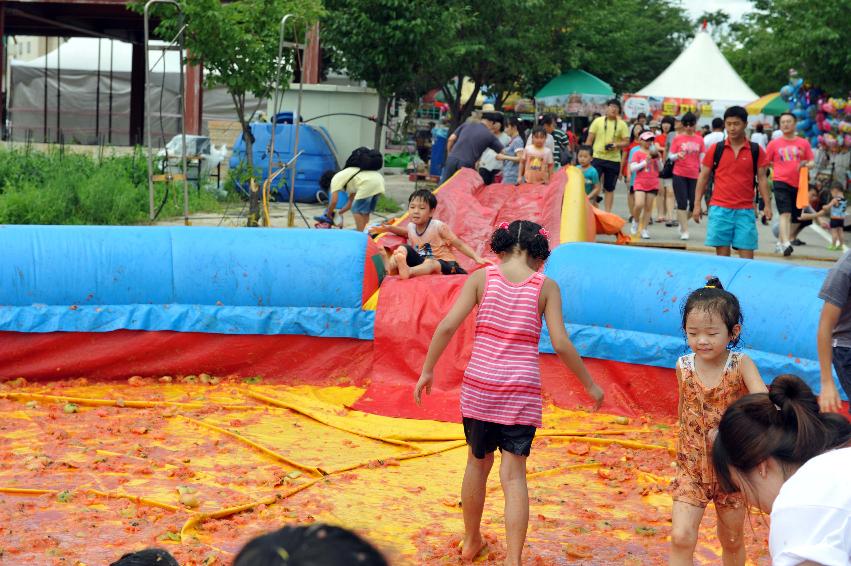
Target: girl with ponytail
x,y
501,391
792,461
710,379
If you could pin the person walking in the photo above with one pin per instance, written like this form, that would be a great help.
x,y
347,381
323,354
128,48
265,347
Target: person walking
x,y
489,164
466,144
717,133
608,135
561,145
787,154
759,136
666,203
686,152
738,165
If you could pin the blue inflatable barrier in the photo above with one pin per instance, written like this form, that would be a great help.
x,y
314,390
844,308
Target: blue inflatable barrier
x,y
624,304
318,155
215,280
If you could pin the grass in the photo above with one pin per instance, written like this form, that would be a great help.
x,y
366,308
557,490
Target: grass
x,y
387,205
66,188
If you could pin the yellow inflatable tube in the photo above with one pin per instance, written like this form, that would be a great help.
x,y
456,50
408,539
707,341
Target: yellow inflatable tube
x,y
577,216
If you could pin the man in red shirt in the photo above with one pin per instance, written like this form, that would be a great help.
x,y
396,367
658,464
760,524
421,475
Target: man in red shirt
x,y
732,222
787,154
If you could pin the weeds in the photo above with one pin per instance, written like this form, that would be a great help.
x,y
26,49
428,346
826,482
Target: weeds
x,y
49,188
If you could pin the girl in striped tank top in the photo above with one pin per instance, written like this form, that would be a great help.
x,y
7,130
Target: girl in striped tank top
x,y
501,391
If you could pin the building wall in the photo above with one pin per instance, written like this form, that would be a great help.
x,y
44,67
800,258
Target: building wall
x,y
347,132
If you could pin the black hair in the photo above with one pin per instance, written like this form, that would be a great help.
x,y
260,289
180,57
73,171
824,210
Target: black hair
x,y
794,118
523,234
538,130
759,128
313,545
736,112
641,115
785,424
548,119
714,299
147,557
615,102
668,120
689,119
632,135
325,179
717,124
426,195
495,117
587,148
515,121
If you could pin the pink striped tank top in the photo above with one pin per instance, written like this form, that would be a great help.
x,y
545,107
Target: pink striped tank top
x,y
502,383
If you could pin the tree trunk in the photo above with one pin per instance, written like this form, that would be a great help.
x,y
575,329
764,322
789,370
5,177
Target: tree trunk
x,y
378,141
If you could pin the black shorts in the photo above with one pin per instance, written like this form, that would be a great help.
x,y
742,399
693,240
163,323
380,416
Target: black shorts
x,y
609,172
413,259
484,437
785,196
654,192
837,222
842,365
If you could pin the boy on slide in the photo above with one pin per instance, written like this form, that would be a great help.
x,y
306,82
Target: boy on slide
x,y
430,242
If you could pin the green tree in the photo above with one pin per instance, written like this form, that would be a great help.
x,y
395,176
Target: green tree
x,y
783,34
390,44
627,43
237,43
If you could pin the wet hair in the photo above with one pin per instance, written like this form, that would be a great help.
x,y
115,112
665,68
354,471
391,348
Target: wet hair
x,y
614,102
147,557
313,545
426,195
714,299
689,119
784,424
794,118
539,130
717,124
523,234
548,119
587,148
736,112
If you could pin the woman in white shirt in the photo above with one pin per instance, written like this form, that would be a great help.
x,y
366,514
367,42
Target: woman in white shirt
x,y
759,136
794,462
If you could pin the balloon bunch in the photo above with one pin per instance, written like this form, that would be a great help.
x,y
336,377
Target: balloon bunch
x,y
821,120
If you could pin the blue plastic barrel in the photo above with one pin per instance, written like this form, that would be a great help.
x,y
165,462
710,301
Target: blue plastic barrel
x,y
438,156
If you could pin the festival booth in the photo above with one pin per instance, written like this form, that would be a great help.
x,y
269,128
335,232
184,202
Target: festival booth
x,y
700,80
574,93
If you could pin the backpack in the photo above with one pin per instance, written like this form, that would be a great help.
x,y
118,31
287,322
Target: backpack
x,y
366,159
716,159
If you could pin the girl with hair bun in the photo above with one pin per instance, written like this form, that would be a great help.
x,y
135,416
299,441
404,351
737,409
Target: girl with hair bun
x,y
710,378
792,461
501,391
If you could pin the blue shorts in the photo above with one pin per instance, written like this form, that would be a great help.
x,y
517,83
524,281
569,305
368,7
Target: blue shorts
x,y
365,205
732,227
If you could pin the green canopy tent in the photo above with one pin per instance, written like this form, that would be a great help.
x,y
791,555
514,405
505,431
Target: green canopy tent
x,y
575,92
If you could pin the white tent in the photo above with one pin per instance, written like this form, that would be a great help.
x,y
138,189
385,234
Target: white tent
x,y
701,72
92,94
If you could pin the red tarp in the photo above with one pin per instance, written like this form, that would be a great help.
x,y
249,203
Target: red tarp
x,y
405,321
473,210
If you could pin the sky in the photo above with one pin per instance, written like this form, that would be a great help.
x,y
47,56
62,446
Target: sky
x,y
736,8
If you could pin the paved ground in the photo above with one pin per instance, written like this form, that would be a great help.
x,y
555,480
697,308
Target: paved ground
x,y
399,187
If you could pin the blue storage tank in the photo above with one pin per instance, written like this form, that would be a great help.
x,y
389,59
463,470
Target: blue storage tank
x,y
318,155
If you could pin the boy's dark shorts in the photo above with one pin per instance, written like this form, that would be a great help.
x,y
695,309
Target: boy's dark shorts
x,y
484,437
413,259
785,196
837,222
842,365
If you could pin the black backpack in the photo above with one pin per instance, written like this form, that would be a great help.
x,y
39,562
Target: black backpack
x,y
716,159
366,159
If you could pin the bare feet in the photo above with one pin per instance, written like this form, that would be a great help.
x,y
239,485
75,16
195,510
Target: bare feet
x,y
472,547
402,264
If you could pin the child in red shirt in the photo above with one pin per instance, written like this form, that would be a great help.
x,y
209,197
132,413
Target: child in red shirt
x,y
646,165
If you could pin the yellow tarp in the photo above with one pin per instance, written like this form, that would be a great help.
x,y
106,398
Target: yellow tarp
x,y
90,472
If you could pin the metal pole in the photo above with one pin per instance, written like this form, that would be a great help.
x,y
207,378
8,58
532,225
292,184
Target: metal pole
x,y
97,100
58,90
109,120
150,154
183,130
276,101
297,120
